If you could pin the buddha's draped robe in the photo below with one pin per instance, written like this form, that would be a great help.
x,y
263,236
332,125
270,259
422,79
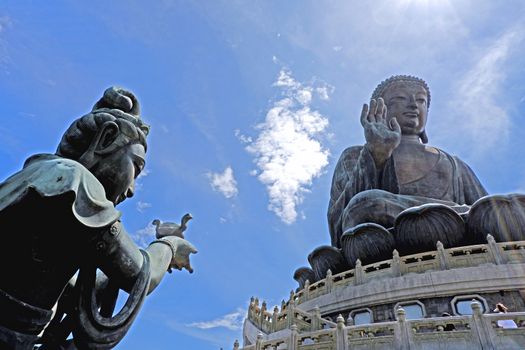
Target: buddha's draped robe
x,y
362,193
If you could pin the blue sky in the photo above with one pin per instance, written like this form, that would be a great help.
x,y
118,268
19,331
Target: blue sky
x,y
251,103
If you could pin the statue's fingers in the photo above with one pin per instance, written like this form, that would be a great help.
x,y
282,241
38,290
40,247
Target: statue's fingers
x,y
364,115
372,111
380,110
385,114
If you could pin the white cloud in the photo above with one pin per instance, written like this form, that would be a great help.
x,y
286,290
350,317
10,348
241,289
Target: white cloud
x,y
232,321
287,152
143,205
144,236
241,137
483,120
324,92
224,182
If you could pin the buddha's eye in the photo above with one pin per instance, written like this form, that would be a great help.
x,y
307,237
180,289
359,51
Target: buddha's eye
x,y
398,99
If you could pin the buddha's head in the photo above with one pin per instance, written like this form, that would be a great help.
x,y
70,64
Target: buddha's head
x,y
407,98
110,142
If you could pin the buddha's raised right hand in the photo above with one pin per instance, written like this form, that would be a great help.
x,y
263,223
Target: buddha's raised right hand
x,y
382,134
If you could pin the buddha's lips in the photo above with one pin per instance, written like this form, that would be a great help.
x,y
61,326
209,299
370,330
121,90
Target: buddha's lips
x,y
411,114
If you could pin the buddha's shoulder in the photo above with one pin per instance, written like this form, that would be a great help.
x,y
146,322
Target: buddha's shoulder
x,y
351,153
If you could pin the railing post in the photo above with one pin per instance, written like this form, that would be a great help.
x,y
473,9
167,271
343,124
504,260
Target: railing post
x,y
290,313
442,256
316,319
250,309
396,263
306,290
349,321
495,250
402,338
263,316
258,341
329,281
359,272
236,344
481,330
341,334
275,316
292,341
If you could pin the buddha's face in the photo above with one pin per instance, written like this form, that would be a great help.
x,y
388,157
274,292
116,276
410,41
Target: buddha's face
x,y
407,102
118,171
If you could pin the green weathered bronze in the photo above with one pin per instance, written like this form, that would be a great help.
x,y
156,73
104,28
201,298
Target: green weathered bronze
x,y
58,221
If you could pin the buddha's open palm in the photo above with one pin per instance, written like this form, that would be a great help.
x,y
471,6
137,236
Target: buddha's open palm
x,y
382,135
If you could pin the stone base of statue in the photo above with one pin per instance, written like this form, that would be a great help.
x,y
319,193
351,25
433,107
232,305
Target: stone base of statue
x,y
439,299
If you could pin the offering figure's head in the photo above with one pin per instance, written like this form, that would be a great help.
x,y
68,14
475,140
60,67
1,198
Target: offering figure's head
x,y
407,98
110,142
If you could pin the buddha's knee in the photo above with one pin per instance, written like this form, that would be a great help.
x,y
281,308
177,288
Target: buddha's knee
x,y
368,206
369,197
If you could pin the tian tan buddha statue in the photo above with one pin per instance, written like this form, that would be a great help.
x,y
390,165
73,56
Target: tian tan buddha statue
x,y
58,217
397,192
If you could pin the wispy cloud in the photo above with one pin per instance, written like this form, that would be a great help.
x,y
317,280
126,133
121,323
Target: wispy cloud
x,y
224,182
288,151
5,23
483,120
141,206
232,321
144,236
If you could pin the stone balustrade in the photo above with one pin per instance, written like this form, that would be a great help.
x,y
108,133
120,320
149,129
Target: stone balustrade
x,y
288,315
440,259
455,332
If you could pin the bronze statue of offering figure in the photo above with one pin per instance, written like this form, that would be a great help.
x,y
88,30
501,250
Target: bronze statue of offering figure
x,y
66,253
397,192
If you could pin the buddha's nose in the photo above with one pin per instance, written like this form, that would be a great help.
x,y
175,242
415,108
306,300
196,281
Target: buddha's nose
x,y
412,102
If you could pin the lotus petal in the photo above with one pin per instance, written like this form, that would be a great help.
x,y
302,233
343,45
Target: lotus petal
x,y
418,229
302,274
326,258
503,216
368,242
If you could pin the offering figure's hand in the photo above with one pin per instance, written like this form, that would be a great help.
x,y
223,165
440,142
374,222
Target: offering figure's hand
x,y
382,135
183,249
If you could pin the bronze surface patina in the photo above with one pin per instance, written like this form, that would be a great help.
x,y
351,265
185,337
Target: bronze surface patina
x,y
397,192
58,219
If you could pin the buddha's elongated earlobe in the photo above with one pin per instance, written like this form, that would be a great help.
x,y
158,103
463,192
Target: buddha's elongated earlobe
x,y
423,136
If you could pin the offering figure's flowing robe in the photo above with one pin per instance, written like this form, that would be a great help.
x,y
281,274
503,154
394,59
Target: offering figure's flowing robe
x,y
51,213
450,182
